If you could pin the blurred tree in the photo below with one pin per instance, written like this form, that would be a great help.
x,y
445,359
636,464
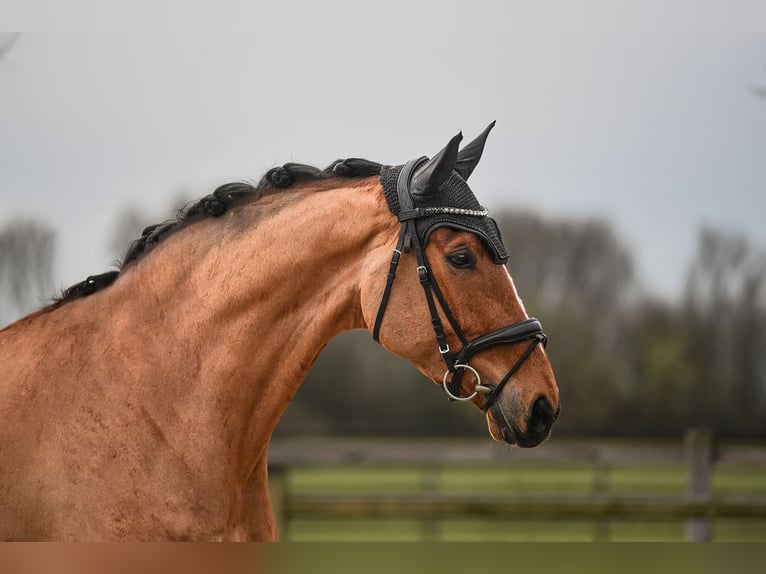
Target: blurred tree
x,y
659,380
701,362
577,277
26,267
725,312
579,264
358,388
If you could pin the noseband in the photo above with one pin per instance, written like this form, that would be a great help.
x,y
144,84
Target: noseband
x,y
456,363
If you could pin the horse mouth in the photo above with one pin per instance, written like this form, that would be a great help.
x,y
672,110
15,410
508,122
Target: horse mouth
x,y
502,430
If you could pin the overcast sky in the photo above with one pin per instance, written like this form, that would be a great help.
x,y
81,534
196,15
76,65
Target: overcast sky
x,y
643,113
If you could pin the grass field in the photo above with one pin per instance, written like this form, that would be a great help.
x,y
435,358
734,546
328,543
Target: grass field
x,y
528,479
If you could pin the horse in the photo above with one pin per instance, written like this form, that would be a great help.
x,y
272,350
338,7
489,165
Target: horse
x,y
140,403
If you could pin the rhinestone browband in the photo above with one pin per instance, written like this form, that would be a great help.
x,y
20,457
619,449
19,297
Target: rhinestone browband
x,y
454,211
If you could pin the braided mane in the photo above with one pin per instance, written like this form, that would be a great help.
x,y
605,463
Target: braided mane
x,y
224,198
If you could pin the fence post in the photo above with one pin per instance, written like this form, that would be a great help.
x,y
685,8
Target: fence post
x,y
698,451
601,470
278,496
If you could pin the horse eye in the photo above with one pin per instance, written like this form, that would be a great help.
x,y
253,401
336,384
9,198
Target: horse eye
x,y
462,260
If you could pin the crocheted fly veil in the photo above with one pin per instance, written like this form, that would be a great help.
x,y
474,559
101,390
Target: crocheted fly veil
x,y
454,205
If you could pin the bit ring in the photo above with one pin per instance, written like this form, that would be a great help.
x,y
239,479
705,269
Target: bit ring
x,y
479,387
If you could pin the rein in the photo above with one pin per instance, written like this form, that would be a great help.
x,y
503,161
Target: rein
x,y
456,363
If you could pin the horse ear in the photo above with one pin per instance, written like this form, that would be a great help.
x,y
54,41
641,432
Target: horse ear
x,y
469,156
428,178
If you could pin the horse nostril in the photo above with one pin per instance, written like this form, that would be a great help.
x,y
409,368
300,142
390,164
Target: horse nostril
x,y
541,418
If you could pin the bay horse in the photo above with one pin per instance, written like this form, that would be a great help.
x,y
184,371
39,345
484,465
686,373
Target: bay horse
x,y
139,405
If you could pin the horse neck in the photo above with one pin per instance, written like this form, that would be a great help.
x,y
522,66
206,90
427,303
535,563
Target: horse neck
x,y
231,313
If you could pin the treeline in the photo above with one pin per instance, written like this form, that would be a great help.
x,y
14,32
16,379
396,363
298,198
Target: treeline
x,y
627,364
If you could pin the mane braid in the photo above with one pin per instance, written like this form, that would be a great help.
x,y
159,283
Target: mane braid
x,y
216,204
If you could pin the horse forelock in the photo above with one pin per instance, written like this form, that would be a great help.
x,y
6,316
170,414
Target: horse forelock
x,y
224,198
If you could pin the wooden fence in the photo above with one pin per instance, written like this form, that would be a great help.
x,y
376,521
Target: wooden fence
x,y
698,451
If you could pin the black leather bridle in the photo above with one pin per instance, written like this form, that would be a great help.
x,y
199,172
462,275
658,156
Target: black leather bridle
x,y
456,363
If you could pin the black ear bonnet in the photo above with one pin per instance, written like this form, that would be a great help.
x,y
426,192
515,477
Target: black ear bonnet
x,y
453,193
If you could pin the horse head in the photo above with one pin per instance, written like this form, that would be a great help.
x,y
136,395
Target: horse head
x,y
454,311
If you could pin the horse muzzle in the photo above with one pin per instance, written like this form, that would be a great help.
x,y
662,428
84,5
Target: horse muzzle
x,y
530,431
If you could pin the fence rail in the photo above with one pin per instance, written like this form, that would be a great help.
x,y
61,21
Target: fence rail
x,y
443,506
698,506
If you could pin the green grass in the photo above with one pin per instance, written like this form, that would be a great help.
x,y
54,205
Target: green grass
x,y
528,479
738,479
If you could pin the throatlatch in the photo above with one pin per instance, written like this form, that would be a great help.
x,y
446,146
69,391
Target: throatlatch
x,y
428,194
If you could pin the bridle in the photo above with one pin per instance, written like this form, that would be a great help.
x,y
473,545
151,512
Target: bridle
x,y
456,363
